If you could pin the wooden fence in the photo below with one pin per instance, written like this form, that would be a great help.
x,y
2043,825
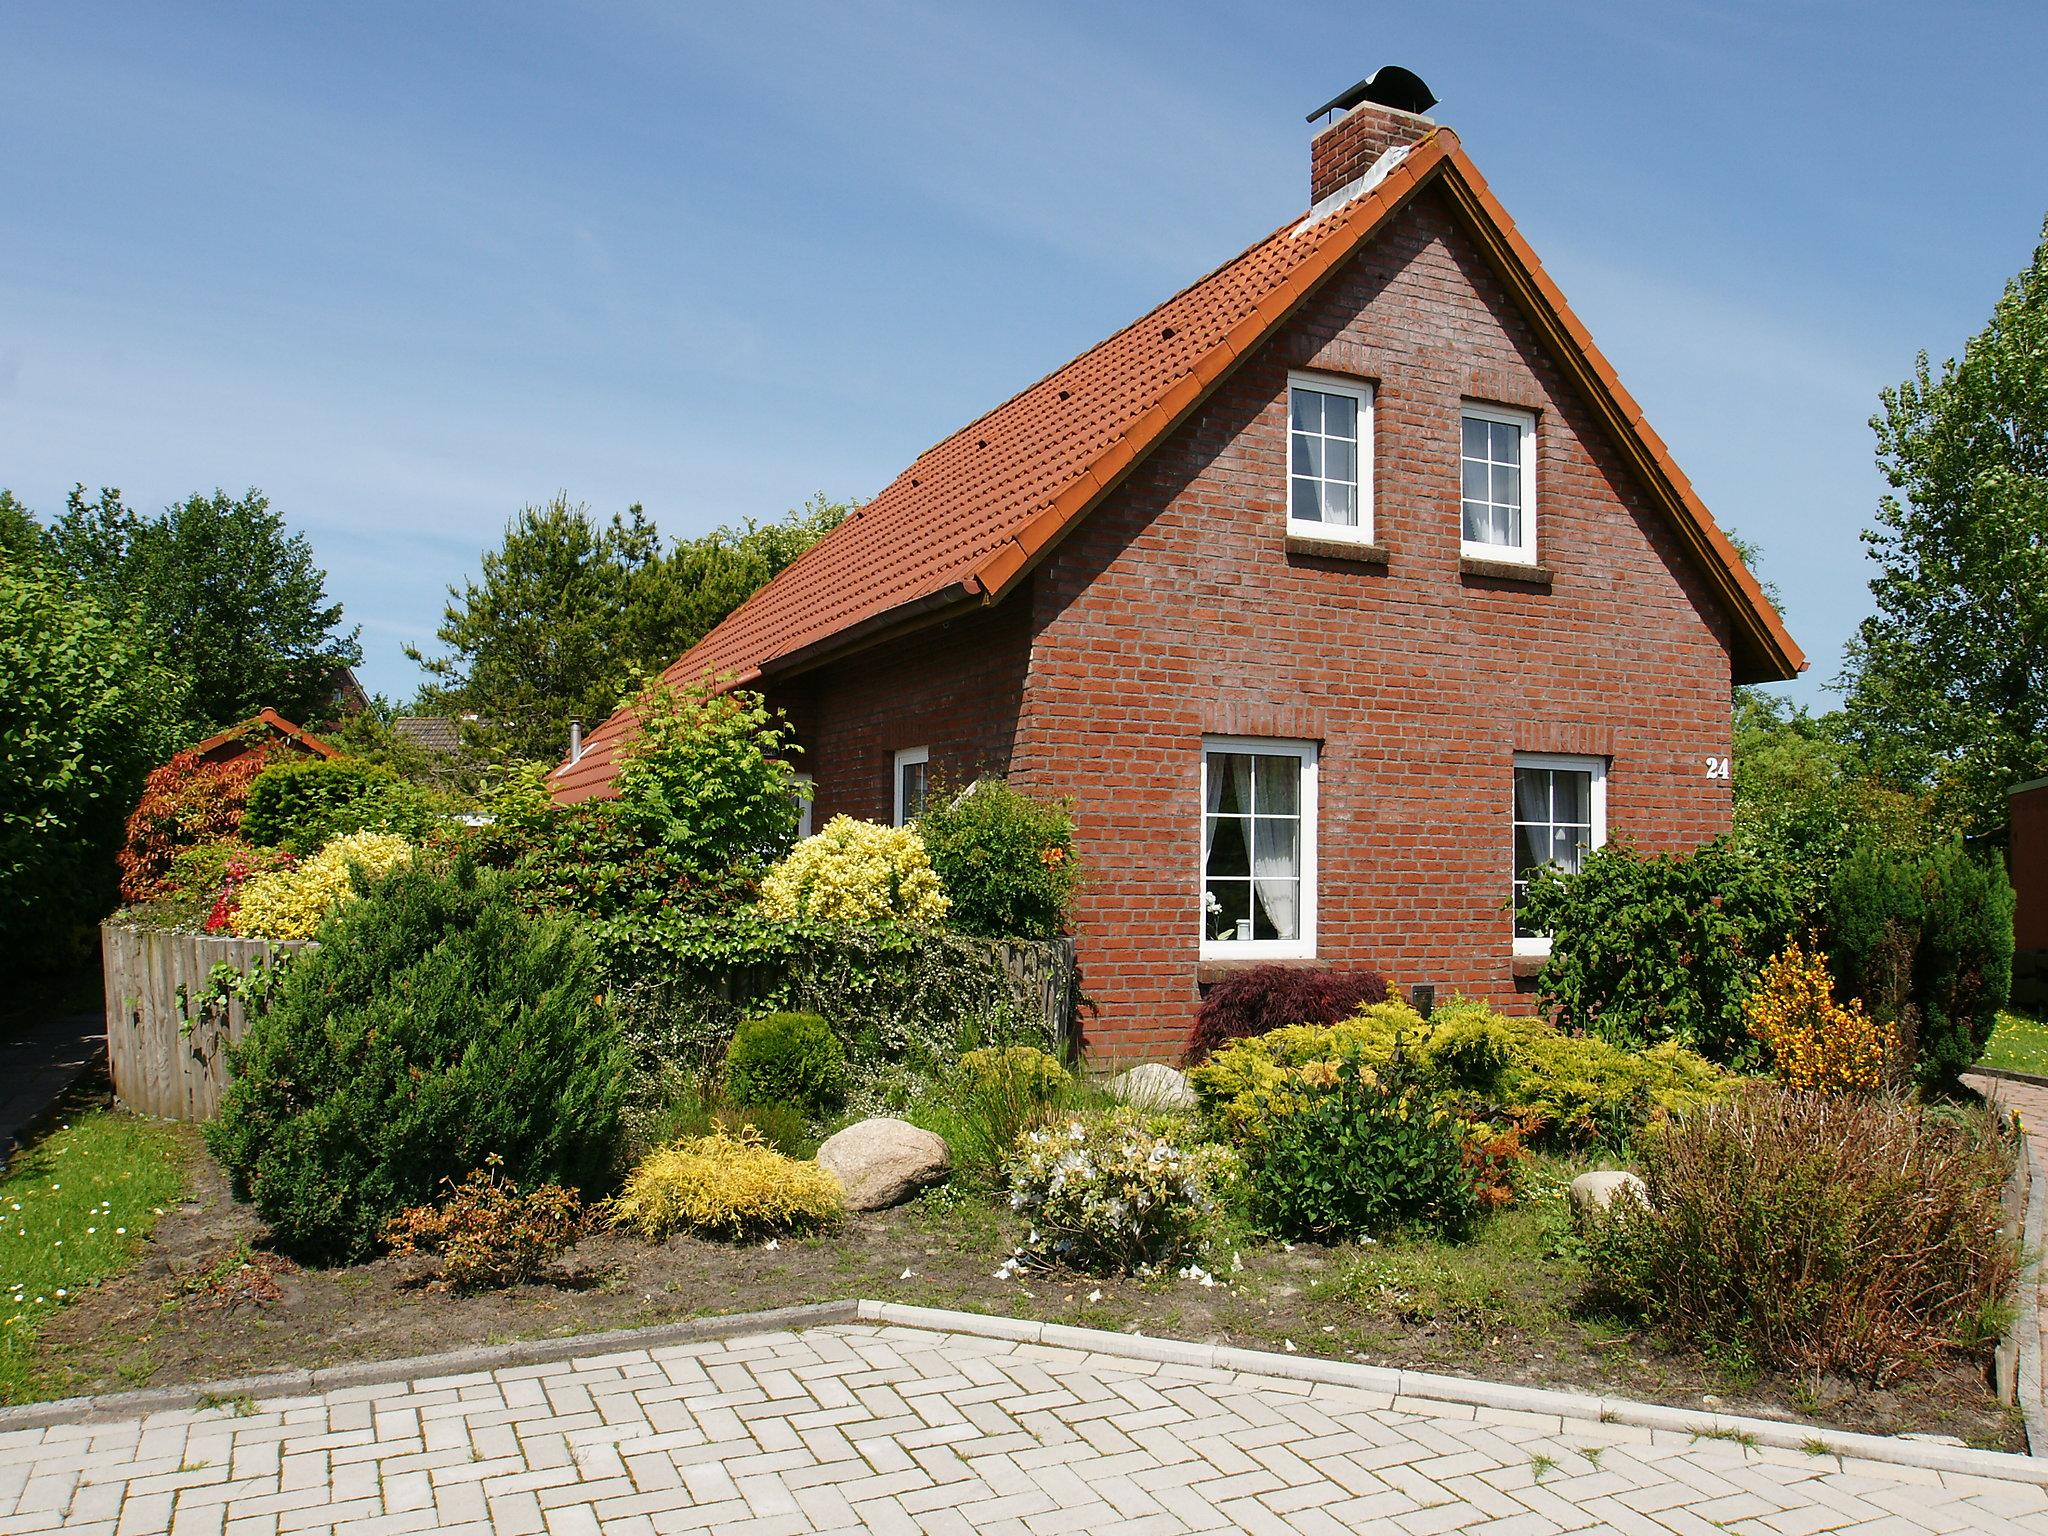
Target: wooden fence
x,y
167,1029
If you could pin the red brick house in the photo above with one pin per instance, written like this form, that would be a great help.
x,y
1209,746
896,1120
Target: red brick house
x,y
1337,592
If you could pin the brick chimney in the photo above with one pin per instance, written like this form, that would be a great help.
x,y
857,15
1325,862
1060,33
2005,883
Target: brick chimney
x,y
1346,150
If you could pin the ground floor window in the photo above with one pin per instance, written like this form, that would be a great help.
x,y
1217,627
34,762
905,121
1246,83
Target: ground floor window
x,y
806,791
913,768
1560,812
1258,847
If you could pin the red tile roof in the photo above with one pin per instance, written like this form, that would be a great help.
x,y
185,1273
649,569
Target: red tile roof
x,y
967,519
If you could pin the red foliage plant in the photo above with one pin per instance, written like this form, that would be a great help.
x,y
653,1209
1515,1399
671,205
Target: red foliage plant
x,y
1270,997
186,802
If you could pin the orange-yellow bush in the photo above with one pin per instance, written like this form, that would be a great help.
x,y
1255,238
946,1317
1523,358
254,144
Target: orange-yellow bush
x,y
1814,1041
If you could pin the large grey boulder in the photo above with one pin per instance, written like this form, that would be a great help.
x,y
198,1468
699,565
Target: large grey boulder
x,y
883,1162
1593,1193
1152,1086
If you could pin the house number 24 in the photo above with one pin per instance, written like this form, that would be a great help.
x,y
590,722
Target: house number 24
x,y
1717,767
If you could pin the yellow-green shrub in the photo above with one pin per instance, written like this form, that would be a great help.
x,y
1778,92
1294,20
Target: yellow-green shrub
x,y
1571,1090
289,903
723,1185
855,872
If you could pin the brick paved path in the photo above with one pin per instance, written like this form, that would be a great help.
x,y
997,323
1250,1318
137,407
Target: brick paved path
x,y
876,1428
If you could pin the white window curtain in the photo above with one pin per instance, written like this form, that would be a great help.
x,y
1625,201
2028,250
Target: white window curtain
x,y
1276,868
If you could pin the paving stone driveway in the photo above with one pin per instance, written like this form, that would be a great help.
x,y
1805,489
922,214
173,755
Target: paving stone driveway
x,y
894,1429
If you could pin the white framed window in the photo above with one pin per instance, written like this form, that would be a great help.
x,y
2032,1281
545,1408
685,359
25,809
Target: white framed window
x,y
1498,460
1258,847
806,792
1329,457
913,773
1560,813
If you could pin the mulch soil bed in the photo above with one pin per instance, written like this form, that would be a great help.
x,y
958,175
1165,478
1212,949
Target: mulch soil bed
x,y
207,1301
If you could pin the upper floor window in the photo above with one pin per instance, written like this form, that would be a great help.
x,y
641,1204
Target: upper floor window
x,y
1560,814
1258,847
1499,484
913,766
1329,445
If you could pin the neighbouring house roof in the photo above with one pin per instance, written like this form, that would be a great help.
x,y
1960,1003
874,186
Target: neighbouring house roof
x,y
433,732
967,521
233,741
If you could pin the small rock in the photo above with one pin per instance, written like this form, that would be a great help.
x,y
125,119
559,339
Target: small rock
x,y
883,1162
1153,1086
1595,1192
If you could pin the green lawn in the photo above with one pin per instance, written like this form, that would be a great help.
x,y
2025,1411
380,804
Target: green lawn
x,y
2019,1044
74,1208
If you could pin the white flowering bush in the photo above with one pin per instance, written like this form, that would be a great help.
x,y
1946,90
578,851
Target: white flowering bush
x,y
855,872
1112,1195
290,903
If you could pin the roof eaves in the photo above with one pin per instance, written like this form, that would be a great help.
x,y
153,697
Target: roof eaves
x,y
1752,610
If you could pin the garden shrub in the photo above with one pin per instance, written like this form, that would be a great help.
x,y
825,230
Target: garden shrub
x,y
1269,997
1005,860
1925,940
707,780
292,902
590,859
202,870
486,1232
995,1094
1653,947
1112,1195
436,1024
723,1185
1557,1090
1814,1042
1371,1156
786,1058
302,803
1818,1232
187,802
855,872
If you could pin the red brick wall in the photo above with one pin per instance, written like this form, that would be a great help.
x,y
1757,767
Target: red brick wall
x,y
953,688
1176,609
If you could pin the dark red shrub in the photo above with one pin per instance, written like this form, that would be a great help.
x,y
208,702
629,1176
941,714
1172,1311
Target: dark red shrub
x,y
1269,997
186,802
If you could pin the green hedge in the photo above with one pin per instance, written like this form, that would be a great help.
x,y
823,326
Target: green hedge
x,y
299,803
901,1001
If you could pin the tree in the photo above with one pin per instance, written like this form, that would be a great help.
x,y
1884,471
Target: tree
x,y
221,592
1948,681
21,536
85,713
570,614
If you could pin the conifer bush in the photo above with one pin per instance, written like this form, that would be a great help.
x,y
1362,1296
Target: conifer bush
x,y
730,1185
786,1058
436,1025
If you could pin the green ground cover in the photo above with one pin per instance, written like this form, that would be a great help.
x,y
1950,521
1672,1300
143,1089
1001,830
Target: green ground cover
x,y
75,1207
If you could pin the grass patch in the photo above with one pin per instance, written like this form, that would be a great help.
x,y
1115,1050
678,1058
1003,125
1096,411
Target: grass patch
x,y
74,1209
2019,1043
1511,1272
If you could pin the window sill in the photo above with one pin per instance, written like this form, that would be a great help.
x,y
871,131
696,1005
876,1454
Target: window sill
x,y
1336,549
1506,570
1210,970
1525,966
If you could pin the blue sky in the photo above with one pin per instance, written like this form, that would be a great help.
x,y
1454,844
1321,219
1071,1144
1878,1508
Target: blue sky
x,y
407,267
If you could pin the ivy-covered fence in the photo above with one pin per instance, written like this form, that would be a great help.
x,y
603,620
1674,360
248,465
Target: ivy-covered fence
x,y
896,996
174,1001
